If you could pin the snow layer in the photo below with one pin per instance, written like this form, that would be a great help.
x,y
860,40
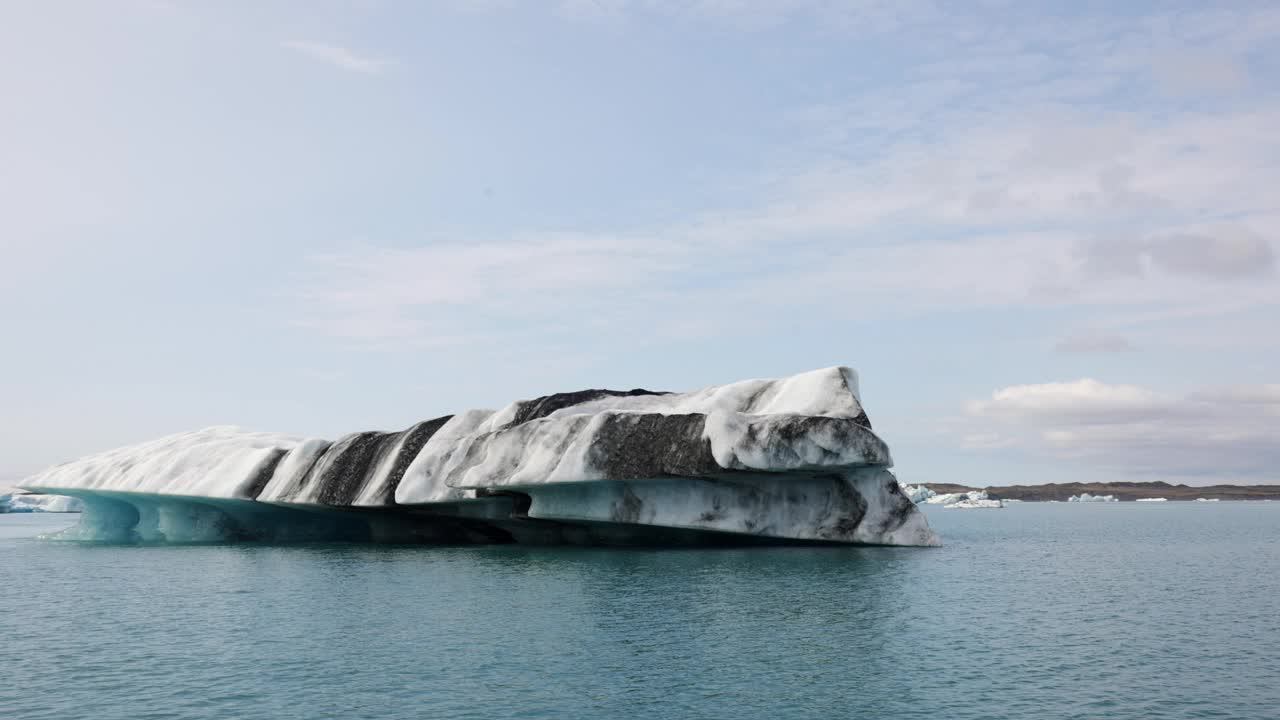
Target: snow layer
x,y
215,462
809,421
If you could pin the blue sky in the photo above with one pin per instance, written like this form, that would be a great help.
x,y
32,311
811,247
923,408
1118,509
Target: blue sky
x,y
1044,234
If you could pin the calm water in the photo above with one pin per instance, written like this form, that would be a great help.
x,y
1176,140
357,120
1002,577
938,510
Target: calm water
x,y
1035,611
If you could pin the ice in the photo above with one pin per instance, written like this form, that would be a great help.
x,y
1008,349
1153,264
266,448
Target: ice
x,y
965,500
214,462
1152,500
34,502
1086,497
917,493
792,458
1208,499
971,504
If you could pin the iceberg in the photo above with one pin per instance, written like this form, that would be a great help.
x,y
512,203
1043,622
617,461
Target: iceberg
x,y
972,504
21,502
791,460
916,493
965,500
1152,500
1086,497
1208,499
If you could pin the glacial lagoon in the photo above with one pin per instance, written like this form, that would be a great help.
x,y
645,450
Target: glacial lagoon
x,y
1117,610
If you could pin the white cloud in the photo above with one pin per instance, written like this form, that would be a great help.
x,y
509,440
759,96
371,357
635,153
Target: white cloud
x,y
1085,401
1137,432
339,56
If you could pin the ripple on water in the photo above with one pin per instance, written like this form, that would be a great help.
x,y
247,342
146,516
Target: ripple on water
x,y
1044,611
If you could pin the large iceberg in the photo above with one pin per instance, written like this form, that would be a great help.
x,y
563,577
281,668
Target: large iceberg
x,y
788,460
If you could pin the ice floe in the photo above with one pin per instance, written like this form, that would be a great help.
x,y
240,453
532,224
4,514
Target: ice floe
x,y
1086,497
38,502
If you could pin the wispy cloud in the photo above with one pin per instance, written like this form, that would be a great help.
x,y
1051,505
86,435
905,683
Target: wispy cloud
x,y
1093,343
339,56
998,177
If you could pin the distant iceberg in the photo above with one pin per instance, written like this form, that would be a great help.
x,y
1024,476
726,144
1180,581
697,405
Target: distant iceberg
x,y
39,503
1086,497
972,504
1208,499
916,493
965,500
759,461
1152,500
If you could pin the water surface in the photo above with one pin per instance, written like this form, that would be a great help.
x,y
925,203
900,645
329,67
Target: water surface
x,y
1165,610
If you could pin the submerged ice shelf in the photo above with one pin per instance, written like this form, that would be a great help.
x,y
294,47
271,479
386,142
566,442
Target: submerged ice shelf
x,y
787,460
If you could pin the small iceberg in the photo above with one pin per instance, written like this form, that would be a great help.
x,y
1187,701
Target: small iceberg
x,y
1152,500
965,500
1086,497
916,493
21,502
1208,499
971,504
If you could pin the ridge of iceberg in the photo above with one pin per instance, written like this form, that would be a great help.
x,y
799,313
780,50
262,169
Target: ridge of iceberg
x,y
787,460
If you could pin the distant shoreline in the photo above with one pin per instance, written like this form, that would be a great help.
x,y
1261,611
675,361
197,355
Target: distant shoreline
x,y
1121,490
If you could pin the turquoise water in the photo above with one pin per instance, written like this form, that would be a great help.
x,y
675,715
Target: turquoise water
x,y
1035,611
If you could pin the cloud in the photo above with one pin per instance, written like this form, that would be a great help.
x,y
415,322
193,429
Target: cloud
x,y
1199,73
1093,344
1228,255
339,56
448,292
1229,432
1217,253
1012,178
1085,401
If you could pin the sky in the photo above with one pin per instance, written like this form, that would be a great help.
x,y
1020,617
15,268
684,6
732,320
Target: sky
x,y
1045,234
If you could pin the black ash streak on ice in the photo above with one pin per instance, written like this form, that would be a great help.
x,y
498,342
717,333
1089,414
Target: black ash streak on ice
x,y
787,460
